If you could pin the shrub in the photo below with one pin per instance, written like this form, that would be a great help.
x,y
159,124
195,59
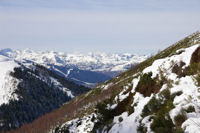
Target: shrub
x,y
141,128
160,108
130,109
97,90
196,56
124,105
180,118
147,85
165,95
165,100
179,130
177,69
120,119
190,109
152,106
162,123
193,69
198,79
105,113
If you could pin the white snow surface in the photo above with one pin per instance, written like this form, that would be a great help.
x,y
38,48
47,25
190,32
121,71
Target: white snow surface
x,y
190,96
83,125
8,84
167,63
187,85
130,123
90,61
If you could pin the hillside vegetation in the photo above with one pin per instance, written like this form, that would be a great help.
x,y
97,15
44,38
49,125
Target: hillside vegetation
x,y
159,95
39,91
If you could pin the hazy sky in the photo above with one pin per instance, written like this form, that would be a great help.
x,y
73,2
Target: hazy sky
x,y
110,26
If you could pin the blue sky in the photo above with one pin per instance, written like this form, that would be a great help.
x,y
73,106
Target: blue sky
x,y
135,26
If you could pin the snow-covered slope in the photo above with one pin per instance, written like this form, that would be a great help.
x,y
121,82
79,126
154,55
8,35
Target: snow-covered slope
x,y
85,69
186,85
28,91
160,95
8,84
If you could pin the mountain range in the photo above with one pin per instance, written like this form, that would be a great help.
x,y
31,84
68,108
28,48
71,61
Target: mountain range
x,y
79,68
35,83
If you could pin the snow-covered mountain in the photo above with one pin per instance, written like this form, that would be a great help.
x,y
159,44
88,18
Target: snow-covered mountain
x,y
86,69
159,95
28,91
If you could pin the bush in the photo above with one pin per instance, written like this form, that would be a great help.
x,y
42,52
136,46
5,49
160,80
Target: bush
x,y
120,119
193,69
106,115
165,100
159,108
104,112
177,69
165,95
141,128
198,79
190,109
147,85
179,130
152,106
162,123
124,105
180,118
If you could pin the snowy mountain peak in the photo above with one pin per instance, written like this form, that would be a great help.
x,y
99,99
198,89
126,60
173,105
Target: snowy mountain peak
x,y
80,68
90,61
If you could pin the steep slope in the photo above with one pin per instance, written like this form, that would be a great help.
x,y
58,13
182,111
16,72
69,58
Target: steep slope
x,y
159,95
78,66
7,83
162,96
28,91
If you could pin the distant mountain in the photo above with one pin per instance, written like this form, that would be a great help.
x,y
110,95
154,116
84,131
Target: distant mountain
x,y
85,69
159,95
29,90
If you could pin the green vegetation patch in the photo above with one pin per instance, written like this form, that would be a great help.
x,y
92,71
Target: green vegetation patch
x,y
180,118
107,115
159,108
190,109
147,85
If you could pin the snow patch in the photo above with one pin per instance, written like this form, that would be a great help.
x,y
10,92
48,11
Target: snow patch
x,y
8,84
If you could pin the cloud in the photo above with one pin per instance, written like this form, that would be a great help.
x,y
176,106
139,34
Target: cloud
x,y
122,5
71,28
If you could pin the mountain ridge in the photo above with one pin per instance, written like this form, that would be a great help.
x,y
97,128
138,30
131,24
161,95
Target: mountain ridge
x,y
77,67
158,95
29,91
